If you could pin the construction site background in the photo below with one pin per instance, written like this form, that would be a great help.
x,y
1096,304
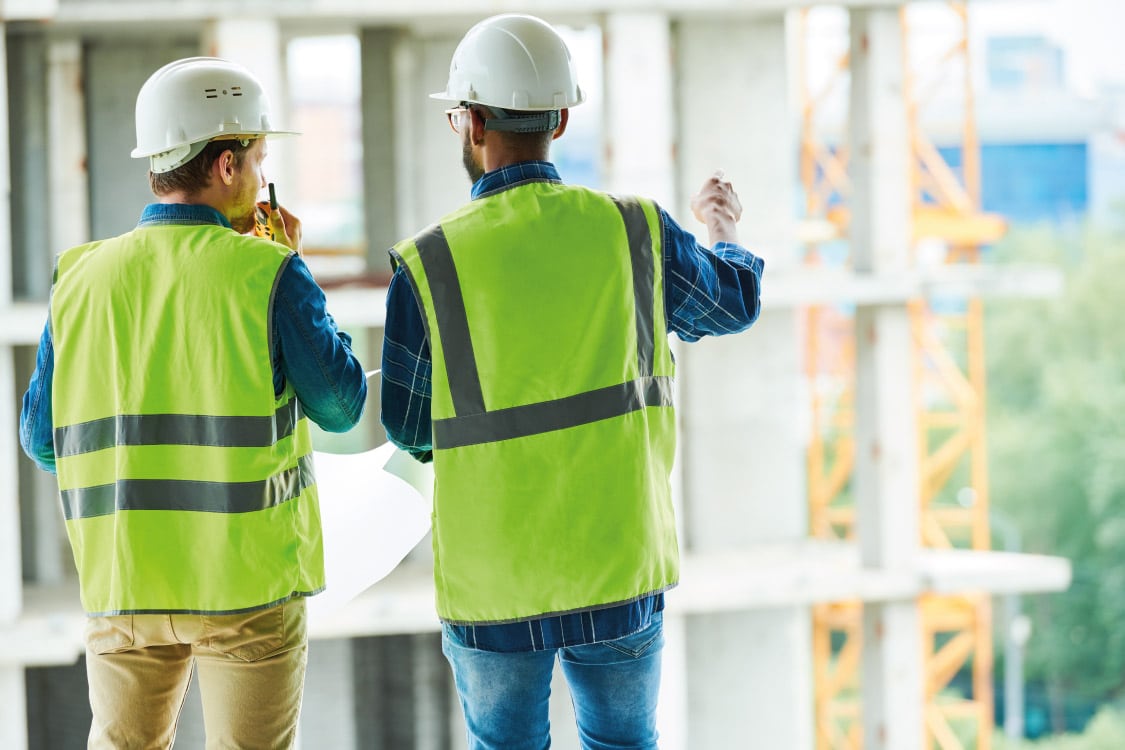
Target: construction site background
x,y
901,493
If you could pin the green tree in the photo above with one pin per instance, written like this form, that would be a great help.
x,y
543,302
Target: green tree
x,y
1056,414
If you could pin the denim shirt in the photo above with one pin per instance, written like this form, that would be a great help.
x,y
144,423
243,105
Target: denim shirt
x,y
707,292
310,352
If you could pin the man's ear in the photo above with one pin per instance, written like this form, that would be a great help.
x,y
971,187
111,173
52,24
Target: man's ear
x,y
476,126
224,168
564,117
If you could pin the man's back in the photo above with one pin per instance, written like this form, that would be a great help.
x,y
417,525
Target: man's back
x,y
548,273
551,402
167,427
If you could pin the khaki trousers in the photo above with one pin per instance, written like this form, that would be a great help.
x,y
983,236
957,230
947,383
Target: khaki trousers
x,y
251,677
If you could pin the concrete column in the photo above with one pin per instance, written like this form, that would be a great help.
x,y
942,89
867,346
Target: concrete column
x,y
404,695
740,397
67,224
67,184
257,44
639,137
886,464
189,730
380,144
27,129
639,121
115,69
5,188
13,696
430,178
328,716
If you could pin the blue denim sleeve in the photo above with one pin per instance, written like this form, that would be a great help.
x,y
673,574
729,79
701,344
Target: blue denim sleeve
x,y
36,419
406,387
313,354
708,292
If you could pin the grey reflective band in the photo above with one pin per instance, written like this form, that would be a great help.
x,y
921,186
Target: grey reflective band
x,y
400,263
189,495
176,429
452,321
547,416
644,274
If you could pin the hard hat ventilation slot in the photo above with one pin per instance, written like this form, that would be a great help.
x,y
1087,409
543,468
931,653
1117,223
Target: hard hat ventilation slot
x,y
214,93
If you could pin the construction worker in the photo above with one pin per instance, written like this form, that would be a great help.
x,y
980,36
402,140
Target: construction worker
x,y
175,380
527,355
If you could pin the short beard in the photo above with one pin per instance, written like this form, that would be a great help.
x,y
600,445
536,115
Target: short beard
x,y
242,224
474,170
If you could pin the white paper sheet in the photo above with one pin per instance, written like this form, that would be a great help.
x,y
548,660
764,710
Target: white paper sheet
x,y
374,508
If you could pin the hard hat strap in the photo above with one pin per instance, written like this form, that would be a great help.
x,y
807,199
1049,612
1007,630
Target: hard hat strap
x,y
533,122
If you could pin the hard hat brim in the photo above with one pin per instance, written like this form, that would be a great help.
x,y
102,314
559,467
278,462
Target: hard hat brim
x,y
442,96
138,153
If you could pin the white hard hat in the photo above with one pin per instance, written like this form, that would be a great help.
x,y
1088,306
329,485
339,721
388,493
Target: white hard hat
x,y
513,61
190,102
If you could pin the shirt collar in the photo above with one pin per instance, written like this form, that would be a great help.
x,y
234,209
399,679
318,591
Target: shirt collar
x,y
514,174
156,214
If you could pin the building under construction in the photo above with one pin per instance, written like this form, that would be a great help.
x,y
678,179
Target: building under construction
x,y
832,480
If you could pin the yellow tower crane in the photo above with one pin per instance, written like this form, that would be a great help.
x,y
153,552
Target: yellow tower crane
x,y
949,380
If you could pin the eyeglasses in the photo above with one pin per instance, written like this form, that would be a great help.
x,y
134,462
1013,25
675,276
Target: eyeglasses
x,y
457,117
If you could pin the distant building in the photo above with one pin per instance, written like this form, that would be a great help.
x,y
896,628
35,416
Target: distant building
x,y
1024,62
1049,155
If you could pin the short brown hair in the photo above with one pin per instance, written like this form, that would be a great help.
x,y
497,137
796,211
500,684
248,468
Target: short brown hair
x,y
193,177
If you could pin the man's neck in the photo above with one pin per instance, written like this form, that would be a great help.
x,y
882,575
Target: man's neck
x,y
182,198
501,158
196,199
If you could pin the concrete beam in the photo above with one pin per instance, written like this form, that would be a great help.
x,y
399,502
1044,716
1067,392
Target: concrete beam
x,y
28,10
21,323
417,14
825,286
764,578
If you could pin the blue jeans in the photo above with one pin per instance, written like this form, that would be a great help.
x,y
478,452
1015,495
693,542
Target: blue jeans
x,y
613,686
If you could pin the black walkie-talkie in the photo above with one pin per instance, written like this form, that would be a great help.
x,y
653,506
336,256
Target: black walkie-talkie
x,y
261,218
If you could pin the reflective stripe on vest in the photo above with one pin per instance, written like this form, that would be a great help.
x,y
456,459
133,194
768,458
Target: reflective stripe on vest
x,y
189,495
176,429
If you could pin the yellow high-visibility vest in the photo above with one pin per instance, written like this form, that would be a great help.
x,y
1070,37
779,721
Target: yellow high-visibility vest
x,y
553,427
187,486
